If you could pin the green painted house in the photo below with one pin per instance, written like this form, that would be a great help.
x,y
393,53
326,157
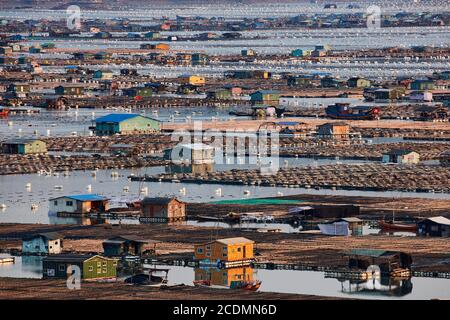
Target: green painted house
x,y
24,146
91,267
127,123
271,97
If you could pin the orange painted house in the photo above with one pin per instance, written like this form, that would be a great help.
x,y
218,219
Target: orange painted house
x,y
228,252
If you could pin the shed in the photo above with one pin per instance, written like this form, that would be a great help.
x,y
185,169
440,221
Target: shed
x,y
434,227
42,243
126,245
401,156
334,130
24,146
80,204
265,97
125,123
191,153
388,261
161,209
92,267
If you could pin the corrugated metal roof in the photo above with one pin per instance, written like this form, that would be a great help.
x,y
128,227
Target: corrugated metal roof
x,y
440,220
84,197
237,240
117,117
368,252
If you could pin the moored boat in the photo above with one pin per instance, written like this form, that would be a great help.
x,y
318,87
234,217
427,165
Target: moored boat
x,y
397,226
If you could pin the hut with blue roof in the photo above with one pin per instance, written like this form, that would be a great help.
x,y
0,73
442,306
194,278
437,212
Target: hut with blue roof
x,y
125,123
79,204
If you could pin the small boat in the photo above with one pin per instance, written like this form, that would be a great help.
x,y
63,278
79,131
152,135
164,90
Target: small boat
x,y
202,283
397,226
252,285
148,278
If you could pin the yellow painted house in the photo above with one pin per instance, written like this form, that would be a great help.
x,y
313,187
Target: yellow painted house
x,y
228,252
193,80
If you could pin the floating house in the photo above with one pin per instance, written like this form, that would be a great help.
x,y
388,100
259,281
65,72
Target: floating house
x,y
193,80
271,97
333,130
126,123
191,153
401,156
389,262
219,94
103,74
70,90
126,246
24,146
357,82
229,252
138,92
161,209
79,204
91,267
43,243
422,84
434,227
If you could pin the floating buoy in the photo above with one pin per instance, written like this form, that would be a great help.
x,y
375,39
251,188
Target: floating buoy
x,y
126,189
144,190
34,206
247,192
89,187
58,187
3,206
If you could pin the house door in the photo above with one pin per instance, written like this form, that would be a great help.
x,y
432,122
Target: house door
x,y
244,252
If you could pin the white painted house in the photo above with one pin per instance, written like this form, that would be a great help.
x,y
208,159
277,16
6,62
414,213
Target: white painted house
x,y
81,204
401,157
43,243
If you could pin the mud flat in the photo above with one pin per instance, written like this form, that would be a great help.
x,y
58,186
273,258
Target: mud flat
x,y
367,177
19,289
24,164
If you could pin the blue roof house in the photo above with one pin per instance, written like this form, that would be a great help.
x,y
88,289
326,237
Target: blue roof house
x,y
125,123
79,204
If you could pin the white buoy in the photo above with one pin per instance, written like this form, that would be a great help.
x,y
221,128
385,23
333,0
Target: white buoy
x,y
182,191
219,191
93,173
58,187
2,206
34,206
247,192
48,132
126,189
89,188
144,190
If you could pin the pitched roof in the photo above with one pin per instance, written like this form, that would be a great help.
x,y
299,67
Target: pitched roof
x,y
399,152
440,220
21,141
237,240
158,200
47,235
117,117
84,197
68,257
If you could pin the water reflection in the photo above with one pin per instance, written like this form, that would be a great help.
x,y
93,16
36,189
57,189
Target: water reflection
x,y
23,267
385,286
233,278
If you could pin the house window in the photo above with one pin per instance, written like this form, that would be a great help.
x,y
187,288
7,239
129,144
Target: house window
x,y
69,203
208,247
104,270
62,267
239,249
104,264
200,250
55,202
99,264
224,254
91,268
208,254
